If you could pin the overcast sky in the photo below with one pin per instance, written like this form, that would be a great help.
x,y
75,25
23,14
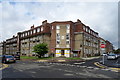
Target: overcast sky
x,y
20,16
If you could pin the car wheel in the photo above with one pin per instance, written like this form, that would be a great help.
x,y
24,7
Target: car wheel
x,y
14,61
4,61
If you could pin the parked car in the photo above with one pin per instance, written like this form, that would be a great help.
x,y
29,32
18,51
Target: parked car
x,y
17,56
8,59
112,56
104,54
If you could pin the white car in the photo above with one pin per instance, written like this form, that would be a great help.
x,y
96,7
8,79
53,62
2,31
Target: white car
x,y
112,56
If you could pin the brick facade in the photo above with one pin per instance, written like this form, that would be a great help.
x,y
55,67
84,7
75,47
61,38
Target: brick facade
x,y
64,38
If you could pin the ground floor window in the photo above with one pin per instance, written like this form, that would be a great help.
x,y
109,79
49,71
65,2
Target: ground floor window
x,y
62,52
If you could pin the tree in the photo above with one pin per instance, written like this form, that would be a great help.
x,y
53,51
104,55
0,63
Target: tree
x,y
117,51
41,49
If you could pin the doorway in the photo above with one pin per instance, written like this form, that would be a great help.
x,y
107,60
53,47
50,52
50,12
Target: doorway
x,y
62,52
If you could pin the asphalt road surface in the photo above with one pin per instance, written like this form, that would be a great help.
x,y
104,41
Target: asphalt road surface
x,y
25,69
90,63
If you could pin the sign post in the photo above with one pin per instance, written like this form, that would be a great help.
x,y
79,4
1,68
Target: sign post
x,y
103,48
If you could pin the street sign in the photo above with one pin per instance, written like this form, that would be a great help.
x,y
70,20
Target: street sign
x,y
102,45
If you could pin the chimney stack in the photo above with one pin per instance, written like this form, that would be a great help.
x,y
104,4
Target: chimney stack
x,y
78,20
44,22
32,27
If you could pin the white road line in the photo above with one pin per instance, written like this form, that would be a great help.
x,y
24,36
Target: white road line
x,y
80,63
90,67
20,70
33,72
96,68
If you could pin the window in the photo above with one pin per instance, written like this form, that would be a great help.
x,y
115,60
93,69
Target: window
x,y
26,34
58,36
68,26
68,31
67,36
84,28
57,31
23,34
30,32
52,27
68,42
57,27
34,31
89,30
41,28
58,42
38,29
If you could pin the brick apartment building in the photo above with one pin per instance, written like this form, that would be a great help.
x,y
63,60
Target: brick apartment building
x,y
109,46
64,38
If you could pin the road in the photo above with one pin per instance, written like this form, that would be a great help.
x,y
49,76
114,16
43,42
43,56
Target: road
x,y
25,69
90,63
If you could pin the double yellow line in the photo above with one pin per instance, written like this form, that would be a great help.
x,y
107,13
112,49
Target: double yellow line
x,y
99,65
3,66
102,66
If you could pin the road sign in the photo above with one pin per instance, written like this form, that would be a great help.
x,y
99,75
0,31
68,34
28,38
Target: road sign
x,y
102,45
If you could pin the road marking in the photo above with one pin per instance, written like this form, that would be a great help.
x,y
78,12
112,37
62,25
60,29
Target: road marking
x,y
61,60
20,70
4,66
96,68
80,63
68,71
84,66
33,72
68,74
107,68
90,67
101,66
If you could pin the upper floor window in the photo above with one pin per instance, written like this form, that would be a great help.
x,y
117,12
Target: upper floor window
x,y
67,36
26,34
34,31
89,30
52,27
84,28
30,32
41,28
23,34
58,36
38,29
57,27
68,26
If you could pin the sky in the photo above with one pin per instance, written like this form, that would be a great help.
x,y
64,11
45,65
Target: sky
x,y
17,16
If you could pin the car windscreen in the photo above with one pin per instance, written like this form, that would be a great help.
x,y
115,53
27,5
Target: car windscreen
x,y
9,56
112,55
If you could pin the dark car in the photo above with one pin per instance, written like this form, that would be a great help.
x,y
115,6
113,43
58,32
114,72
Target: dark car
x,y
8,59
17,56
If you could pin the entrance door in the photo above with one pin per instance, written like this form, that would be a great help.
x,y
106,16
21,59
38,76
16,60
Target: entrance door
x,y
62,52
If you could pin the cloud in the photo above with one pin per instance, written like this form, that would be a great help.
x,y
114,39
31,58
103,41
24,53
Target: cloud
x,y
100,16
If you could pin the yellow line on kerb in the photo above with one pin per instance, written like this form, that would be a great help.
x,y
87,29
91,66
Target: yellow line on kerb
x,y
4,66
113,69
97,64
